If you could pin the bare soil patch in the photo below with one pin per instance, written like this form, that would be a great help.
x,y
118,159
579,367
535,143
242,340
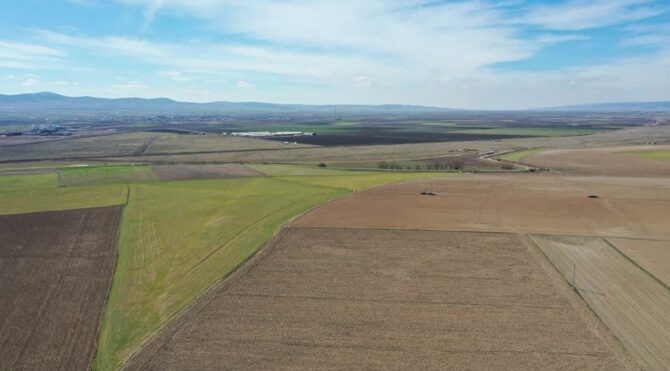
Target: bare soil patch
x,y
528,203
381,299
55,271
183,172
601,161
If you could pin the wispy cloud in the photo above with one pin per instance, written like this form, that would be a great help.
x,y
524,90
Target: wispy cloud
x,y
23,56
583,14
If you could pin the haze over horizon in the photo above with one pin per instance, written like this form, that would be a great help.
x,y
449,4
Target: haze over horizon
x,y
466,54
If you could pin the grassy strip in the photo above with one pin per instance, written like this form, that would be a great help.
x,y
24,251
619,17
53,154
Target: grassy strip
x,y
517,156
63,198
9,183
663,155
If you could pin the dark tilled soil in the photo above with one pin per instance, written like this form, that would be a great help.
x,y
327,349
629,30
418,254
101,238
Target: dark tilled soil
x,y
382,299
55,273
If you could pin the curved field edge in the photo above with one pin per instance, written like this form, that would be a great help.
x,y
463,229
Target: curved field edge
x,y
180,238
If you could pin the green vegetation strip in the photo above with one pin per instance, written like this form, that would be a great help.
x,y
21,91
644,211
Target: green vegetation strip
x,y
10,183
180,238
63,198
663,155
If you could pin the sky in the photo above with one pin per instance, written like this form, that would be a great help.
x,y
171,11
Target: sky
x,y
509,54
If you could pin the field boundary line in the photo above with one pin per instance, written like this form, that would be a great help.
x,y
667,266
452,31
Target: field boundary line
x,y
111,281
580,304
156,341
136,355
469,231
651,275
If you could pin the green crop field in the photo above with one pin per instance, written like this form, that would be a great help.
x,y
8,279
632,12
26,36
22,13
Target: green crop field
x,y
533,132
517,156
209,227
654,155
27,182
62,198
105,175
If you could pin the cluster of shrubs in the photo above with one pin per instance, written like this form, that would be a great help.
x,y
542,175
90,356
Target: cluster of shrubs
x,y
433,166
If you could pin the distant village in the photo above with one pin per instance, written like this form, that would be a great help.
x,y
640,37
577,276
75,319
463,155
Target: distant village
x,y
43,130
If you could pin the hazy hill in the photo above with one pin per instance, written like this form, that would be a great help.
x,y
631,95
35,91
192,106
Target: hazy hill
x,y
616,107
39,104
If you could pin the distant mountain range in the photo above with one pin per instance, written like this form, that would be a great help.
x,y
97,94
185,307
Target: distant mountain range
x,y
615,107
55,104
51,104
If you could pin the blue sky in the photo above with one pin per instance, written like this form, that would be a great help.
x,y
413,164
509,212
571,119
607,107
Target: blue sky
x,y
462,54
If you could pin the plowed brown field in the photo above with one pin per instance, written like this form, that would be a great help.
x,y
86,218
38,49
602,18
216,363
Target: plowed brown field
x,y
532,203
55,273
381,299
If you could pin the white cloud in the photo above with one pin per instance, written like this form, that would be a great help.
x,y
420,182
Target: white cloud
x,y
581,14
243,84
31,82
377,51
176,76
22,56
130,85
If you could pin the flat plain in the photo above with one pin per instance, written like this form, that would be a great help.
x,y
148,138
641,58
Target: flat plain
x,y
55,272
381,299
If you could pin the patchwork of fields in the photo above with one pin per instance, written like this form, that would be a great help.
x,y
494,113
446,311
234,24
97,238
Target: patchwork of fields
x,y
383,278
341,298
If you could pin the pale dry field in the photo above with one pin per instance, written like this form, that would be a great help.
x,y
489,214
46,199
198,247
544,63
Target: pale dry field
x,y
515,203
630,302
653,255
382,299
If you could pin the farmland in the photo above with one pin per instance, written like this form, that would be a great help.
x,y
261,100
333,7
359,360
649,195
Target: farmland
x,y
210,227
663,155
629,301
55,269
352,298
516,156
24,182
380,276
87,175
62,198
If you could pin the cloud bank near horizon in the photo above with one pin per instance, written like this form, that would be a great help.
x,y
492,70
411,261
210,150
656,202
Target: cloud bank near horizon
x,y
461,54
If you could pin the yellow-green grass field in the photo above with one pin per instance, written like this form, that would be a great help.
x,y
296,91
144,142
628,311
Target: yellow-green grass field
x,y
180,238
517,156
87,175
663,155
27,182
61,198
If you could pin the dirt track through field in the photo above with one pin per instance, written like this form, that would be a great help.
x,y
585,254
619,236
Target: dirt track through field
x,y
55,273
380,299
